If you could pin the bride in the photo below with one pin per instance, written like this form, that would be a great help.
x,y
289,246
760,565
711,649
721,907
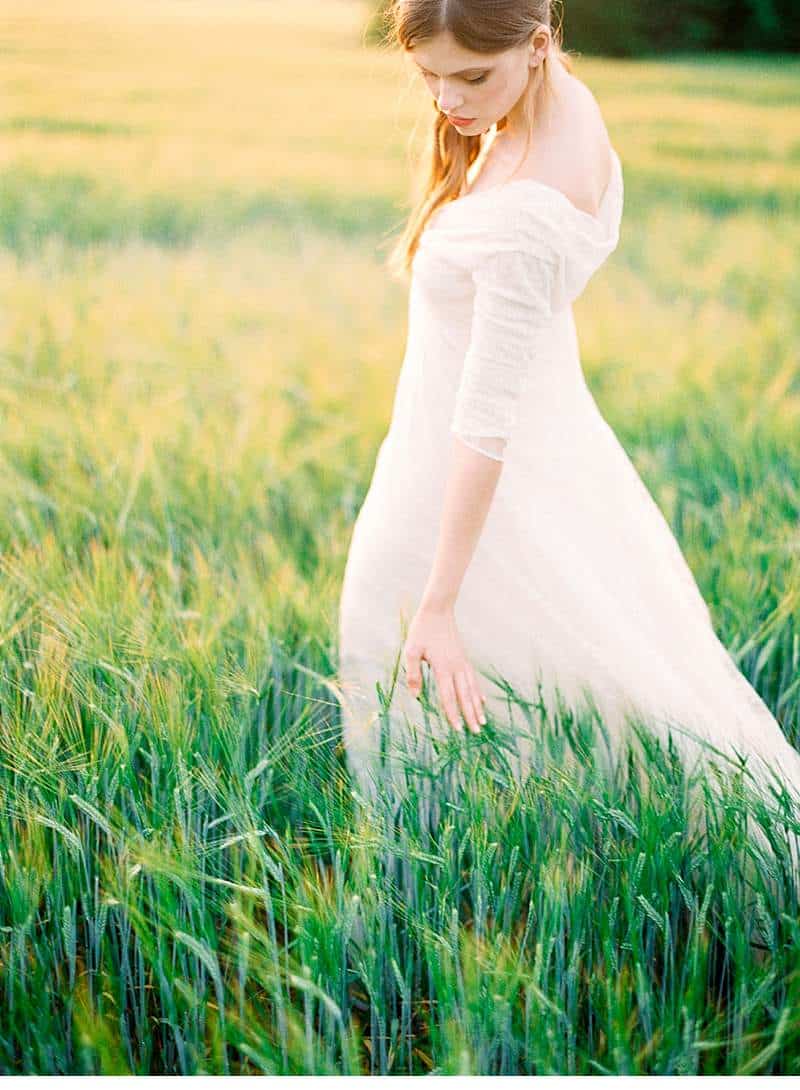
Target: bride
x,y
506,538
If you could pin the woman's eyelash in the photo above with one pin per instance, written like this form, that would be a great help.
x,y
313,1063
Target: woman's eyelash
x,y
478,79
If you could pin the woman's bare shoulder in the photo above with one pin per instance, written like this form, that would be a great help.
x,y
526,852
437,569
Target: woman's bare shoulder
x,y
585,147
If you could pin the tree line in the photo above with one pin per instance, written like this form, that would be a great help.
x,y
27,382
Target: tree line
x,y
636,28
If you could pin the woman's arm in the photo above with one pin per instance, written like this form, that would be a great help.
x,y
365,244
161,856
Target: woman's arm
x,y
514,288
433,634
468,494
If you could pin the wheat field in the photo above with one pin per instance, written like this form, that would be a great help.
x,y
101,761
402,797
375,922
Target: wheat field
x,y
198,349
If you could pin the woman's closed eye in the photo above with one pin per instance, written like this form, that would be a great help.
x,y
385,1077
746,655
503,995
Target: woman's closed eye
x,y
467,79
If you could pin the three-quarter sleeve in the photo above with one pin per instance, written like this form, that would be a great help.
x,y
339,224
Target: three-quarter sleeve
x,y
512,303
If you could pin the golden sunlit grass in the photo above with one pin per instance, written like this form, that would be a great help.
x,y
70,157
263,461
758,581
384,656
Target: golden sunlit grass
x,y
264,94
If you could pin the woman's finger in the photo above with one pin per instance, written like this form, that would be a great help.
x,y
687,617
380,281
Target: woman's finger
x,y
413,669
477,696
464,690
447,698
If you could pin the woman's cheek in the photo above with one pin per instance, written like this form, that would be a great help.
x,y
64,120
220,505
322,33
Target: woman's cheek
x,y
506,96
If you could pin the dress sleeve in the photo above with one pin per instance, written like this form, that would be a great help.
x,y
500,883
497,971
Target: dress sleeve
x,y
512,304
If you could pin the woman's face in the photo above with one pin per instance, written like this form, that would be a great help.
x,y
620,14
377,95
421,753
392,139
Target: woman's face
x,y
474,89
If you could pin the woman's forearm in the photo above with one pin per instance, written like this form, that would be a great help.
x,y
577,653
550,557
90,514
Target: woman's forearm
x,y
470,487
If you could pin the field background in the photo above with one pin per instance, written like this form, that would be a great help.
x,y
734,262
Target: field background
x,y
198,351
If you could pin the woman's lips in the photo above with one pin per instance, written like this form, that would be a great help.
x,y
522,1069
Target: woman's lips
x,y
460,120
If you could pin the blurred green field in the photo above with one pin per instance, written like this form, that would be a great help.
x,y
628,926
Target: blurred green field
x,y
198,350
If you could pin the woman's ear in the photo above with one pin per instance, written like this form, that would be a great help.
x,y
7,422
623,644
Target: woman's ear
x,y
538,52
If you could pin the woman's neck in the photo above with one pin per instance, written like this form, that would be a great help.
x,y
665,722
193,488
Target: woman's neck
x,y
514,134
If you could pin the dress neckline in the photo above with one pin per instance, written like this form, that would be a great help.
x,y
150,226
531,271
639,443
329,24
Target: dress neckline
x,y
595,220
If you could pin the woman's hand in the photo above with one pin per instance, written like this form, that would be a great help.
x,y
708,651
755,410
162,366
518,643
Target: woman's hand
x,y
433,636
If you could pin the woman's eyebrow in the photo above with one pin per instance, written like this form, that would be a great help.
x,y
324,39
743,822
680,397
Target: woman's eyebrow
x,y
463,72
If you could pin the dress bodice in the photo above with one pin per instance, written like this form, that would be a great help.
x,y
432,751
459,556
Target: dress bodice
x,y
528,211
493,272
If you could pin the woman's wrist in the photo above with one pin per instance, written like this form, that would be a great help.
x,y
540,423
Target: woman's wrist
x,y
438,601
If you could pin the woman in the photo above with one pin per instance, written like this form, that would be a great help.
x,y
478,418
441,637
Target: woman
x,y
506,533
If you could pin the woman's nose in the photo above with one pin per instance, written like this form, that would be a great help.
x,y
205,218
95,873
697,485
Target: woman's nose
x,y
448,100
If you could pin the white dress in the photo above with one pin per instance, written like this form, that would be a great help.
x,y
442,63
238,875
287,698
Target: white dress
x,y
577,584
